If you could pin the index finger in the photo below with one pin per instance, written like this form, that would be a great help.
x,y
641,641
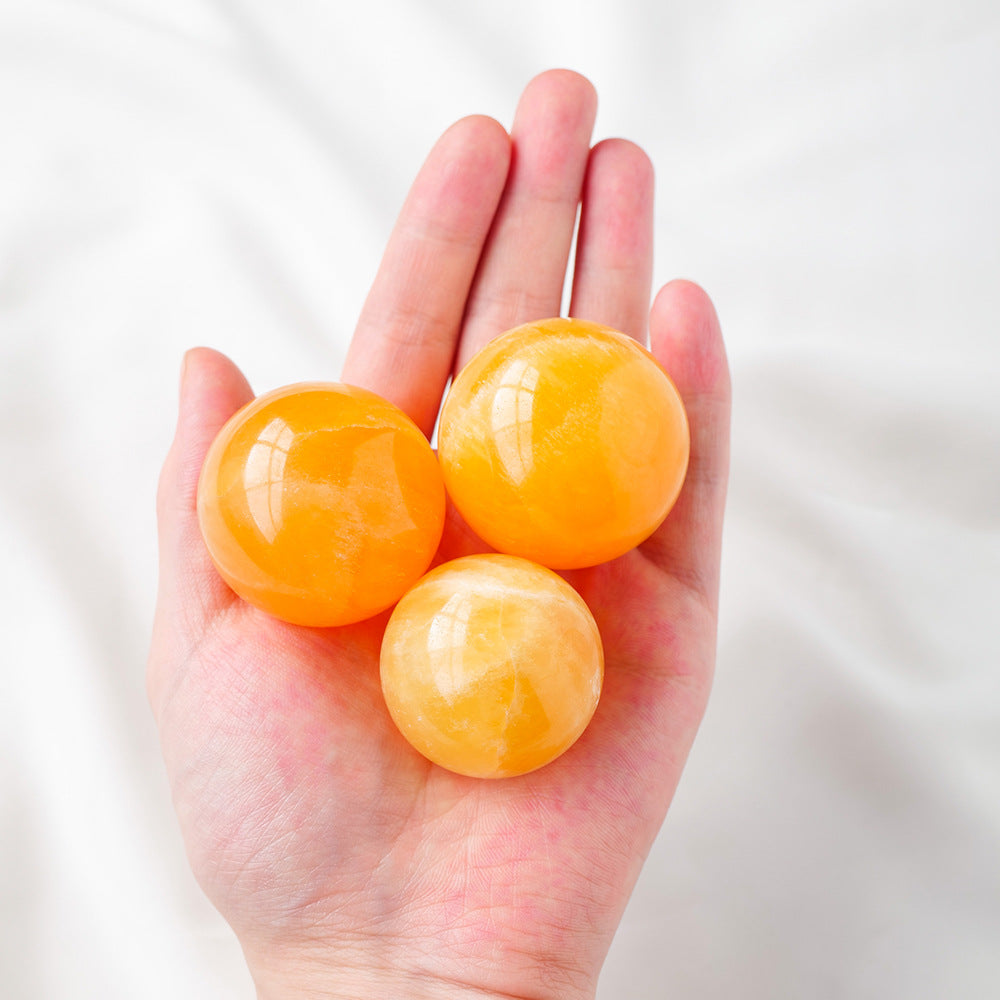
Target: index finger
x,y
405,340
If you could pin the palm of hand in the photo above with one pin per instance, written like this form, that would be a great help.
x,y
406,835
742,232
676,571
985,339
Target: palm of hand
x,y
320,835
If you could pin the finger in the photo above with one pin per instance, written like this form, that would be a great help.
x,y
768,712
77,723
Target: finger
x,y
686,339
614,254
404,344
523,269
212,390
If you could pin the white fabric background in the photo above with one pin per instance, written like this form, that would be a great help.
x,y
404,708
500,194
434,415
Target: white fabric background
x,y
225,172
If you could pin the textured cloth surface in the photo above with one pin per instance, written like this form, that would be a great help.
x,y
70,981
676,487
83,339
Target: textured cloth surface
x,y
225,172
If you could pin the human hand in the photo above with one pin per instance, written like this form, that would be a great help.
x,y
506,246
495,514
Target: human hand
x,y
348,865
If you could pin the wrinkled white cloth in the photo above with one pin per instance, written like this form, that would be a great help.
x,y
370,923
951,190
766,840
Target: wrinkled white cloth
x,y
225,172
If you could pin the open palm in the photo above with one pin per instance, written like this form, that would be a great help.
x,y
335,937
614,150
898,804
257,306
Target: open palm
x,y
346,863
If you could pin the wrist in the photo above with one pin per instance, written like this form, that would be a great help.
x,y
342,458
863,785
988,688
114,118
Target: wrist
x,y
355,984
347,977
371,985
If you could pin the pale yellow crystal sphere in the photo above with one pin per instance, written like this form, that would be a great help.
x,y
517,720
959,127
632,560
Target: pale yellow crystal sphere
x,y
563,441
491,666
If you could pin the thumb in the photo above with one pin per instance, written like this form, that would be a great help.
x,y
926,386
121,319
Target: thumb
x,y
190,590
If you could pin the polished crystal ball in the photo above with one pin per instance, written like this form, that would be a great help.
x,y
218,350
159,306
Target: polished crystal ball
x,y
564,442
491,666
321,503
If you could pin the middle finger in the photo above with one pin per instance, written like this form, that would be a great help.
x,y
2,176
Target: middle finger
x,y
523,267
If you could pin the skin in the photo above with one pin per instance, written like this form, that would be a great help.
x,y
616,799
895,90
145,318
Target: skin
x,y
348,865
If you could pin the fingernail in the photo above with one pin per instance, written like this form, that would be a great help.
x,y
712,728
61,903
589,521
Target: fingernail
x,y
184,368
182,387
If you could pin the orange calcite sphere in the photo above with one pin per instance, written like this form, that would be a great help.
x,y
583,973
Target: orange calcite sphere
x,y
321,503
564,442
491,666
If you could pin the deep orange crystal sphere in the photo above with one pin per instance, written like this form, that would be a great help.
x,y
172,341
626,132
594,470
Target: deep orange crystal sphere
x,y
321,503
491,666
564,442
